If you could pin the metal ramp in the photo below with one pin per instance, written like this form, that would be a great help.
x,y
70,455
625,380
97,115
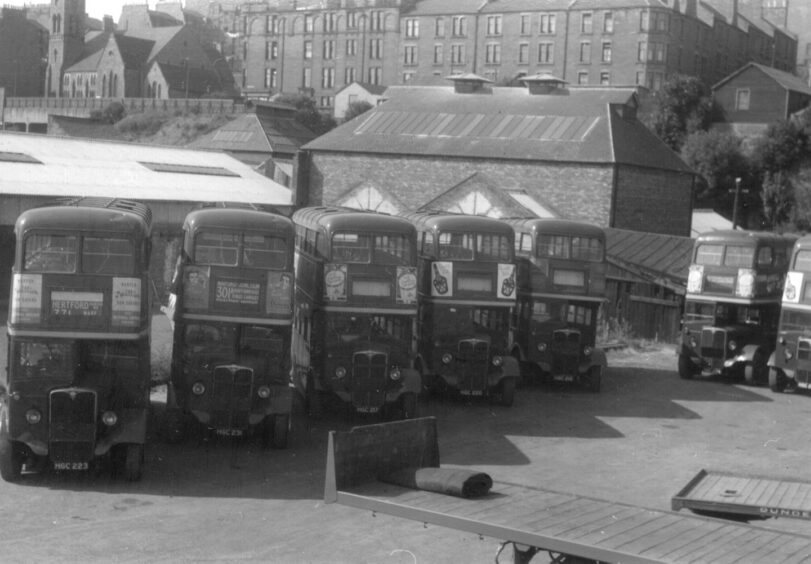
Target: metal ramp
x,y
742,496
535,519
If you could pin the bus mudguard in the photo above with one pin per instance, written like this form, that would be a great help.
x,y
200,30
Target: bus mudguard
x,y
130,428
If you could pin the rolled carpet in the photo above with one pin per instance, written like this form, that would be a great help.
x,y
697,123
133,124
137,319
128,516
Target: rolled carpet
x,y
451,481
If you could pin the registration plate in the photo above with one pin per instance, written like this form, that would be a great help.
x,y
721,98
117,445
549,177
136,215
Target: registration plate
x,y
368,409
229,432
71,465
472,392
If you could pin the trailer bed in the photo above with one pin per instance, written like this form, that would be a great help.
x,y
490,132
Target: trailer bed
x,y
745,496
542,519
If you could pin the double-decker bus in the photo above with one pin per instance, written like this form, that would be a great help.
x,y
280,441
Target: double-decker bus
x,y
732,306
467,292
77,387
356,302
561,286
232,311
790,364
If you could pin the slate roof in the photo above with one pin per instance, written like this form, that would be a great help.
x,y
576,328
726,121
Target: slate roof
x,y
503,123
663,259
438,7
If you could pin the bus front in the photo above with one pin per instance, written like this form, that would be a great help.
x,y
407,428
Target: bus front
x,y
560,290
363,331
233,308
790,364
77,389
732,305
468,291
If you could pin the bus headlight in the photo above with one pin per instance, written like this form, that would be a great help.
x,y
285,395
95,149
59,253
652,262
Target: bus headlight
x,y
340,372
693,342
109,418
497,360
447,358
541,347
587,350
788,354
395,375
33,416
263,392
732,345
198,388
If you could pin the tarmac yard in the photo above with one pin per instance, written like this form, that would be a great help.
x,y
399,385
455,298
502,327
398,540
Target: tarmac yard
x,y
638,441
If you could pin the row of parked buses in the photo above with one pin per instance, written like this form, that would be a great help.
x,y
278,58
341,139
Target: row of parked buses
x,y
748,309
365,308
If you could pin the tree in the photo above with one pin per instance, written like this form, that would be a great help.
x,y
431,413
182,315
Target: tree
x,y
681,107
781,147
717,157
777,198
308,115
357,108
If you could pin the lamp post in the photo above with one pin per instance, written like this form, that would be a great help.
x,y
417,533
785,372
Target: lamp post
x,y
735,201
186,62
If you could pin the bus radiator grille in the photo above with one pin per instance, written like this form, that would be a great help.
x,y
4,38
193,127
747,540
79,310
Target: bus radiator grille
x,y
72,416
231,397
369,378
713,343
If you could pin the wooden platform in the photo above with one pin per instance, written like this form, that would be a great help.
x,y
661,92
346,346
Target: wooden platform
x,y
744,495
558,522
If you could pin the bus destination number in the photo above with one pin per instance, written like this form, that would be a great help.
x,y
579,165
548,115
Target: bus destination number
x,y
241,293
71,465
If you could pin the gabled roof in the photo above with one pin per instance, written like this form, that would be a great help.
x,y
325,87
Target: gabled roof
x,y
374,89
437,7
135,51
663,259
200,80
785,79
257,134
504,123
708,220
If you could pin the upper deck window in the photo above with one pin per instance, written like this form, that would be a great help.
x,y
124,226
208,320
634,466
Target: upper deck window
x,y
107,256
570,247
351,247
495,247
739,256
392,249
731,255
803,261
262,251
50,253
457,246
217,249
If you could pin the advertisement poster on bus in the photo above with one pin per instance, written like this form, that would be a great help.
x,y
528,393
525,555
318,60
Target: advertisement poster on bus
x,y
26,300
335,282
279,293
506,281
195,287
442,279
406,285
794,282
126,307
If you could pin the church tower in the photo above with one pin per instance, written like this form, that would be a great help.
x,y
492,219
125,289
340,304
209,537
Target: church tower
x,y
67,28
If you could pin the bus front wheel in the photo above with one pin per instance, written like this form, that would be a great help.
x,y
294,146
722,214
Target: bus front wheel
x,y
275,431
507,391
11,460
777,380
686,370
593,379
408,405
128,461
755,372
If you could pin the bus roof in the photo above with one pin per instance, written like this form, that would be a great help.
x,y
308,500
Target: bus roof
x,y
739,236
556,227
442,221
333,219
88,214
238,219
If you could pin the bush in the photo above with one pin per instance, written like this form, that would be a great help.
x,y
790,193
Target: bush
x,y
147,123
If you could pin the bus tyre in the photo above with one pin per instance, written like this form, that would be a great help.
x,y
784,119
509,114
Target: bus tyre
x,y
175,426
686,370
777,380
276,431
507,392
756,372
594,378
408,405
128,461
11,460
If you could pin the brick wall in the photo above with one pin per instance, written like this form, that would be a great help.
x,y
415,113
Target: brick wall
x,y
653,201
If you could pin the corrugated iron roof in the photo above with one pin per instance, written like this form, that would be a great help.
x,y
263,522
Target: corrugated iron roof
x,y
508,123
80,167
662,258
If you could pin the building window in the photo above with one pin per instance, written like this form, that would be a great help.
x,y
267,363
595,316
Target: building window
x,y
606,52
644,20
547,25
309,25
375,75
608,22
661,22
546,52
410,55
351,20
642,51
585,22
526,24
583,77
457,54
585,51
523,54
438,54
657,52
327,77
375,49
308,49
408,77
493,25
742,99
349,75
640,77
605,78
492,53
376,20
329,22
412,28
329,49
326,101
351,47
459,26
307,78
439,27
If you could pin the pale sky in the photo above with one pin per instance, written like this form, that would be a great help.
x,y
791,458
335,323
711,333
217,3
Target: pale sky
x,y
94,8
